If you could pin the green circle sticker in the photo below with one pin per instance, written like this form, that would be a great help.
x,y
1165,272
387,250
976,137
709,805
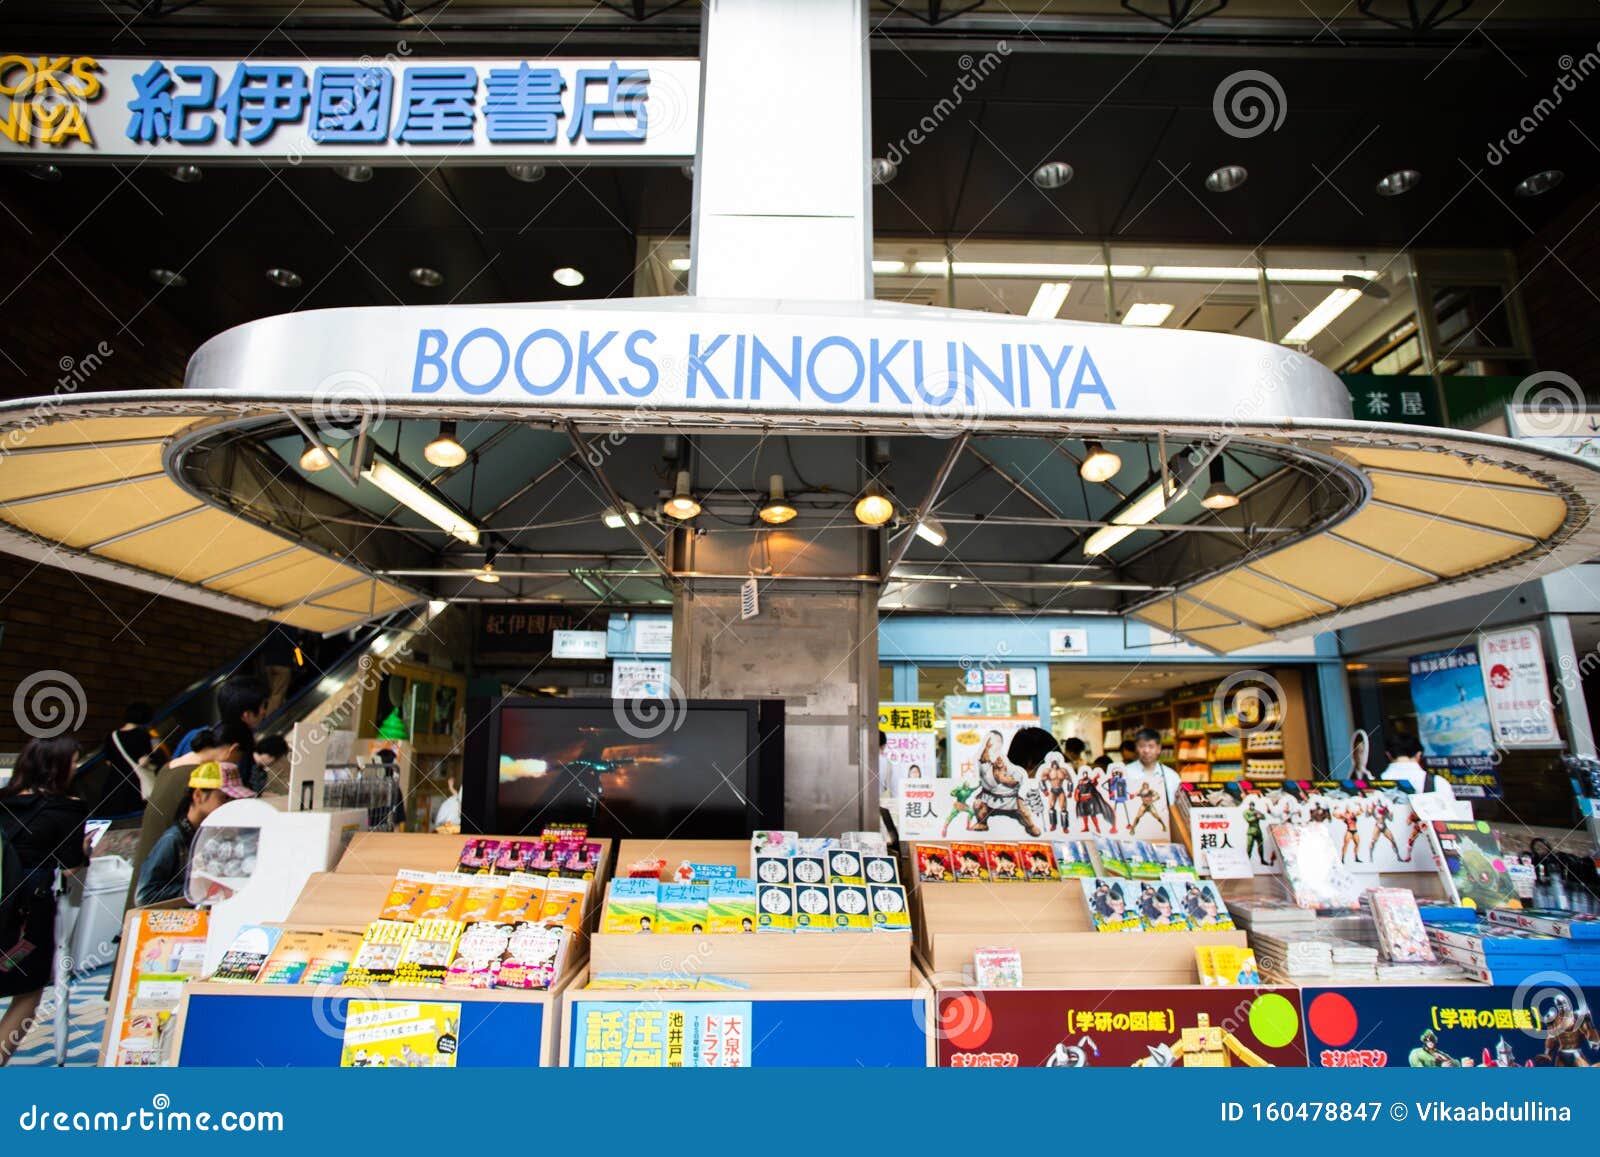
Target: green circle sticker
x,y
1273,1020
1483,826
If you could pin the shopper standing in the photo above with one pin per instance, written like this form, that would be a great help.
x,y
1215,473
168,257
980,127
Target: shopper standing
x,y
129,771
243,700
166,869
43,823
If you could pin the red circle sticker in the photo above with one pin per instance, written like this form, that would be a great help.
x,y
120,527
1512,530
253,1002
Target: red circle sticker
x,y
966,1021
1333,1018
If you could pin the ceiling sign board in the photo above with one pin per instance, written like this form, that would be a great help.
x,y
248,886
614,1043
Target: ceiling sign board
x,y
578,645
688,354
369,111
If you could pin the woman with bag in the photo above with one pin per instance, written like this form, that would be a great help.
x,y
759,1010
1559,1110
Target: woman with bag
x,y
42,823
130,770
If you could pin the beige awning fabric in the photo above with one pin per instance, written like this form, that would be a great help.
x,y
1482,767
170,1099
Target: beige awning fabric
x,y
97,489
1432,516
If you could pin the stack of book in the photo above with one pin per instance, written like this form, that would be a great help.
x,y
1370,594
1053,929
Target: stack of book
x,y
1315,955
1259,914
1498,954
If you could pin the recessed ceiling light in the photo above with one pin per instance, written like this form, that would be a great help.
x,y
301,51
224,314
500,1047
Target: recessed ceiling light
x,y
355,174
526,172
1147,313
1047,302
568,276
1226,179
883,170
1398,182
45,172
427,278
1052,174
1541,182
284,278
185,174
170,278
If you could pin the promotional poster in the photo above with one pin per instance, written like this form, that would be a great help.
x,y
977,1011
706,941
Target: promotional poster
x,y
1453,719
996,801
1118,1028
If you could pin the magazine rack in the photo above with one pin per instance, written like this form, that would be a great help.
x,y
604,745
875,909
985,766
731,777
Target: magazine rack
x,y
293,1024
813,998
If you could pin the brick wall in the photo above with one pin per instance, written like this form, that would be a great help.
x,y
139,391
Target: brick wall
x,y
119,643
1560,267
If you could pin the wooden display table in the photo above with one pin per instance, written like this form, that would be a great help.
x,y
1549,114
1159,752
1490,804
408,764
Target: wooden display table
x,y
813,998
296,1024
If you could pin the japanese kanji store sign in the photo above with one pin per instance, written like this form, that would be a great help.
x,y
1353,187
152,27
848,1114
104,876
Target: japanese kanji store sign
x,y
371,110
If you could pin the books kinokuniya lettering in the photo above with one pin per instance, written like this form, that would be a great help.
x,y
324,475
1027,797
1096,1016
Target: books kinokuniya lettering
x,y
774,908
844,867
1111,909
681,908
1200,902
243,960
880,869
889,911
333,957
290,959
1074,858
406,895
1401,931
563,903
427,955
852,909
533,957
1004,862
379,954
1471,865
935,864
731,905
630,906
969,862
478,954
813,908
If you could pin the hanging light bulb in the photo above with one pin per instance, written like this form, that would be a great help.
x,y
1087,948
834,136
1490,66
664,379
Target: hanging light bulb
x,y
873,508
1099,464
1219,495
682,504
776,511
315,457
486,573
444,451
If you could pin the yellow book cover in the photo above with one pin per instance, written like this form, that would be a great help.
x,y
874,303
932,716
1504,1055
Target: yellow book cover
x,y
483,899
522,900
406,895
563,903
400,1034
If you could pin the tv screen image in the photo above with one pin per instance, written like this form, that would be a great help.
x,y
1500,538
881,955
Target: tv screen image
x,y
554,762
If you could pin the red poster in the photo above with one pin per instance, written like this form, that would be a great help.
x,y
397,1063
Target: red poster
x,y
1112,1028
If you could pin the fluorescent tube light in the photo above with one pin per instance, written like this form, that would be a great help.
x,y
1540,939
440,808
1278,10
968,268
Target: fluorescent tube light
x,y
1322,315
1048,301
1143,509
421,500
1147,313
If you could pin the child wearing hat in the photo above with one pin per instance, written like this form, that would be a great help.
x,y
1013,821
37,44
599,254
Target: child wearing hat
x,y
167,866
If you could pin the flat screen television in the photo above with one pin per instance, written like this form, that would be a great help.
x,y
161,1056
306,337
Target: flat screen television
x,y
647,769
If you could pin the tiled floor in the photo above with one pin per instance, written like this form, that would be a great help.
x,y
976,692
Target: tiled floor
x,y
87,1019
